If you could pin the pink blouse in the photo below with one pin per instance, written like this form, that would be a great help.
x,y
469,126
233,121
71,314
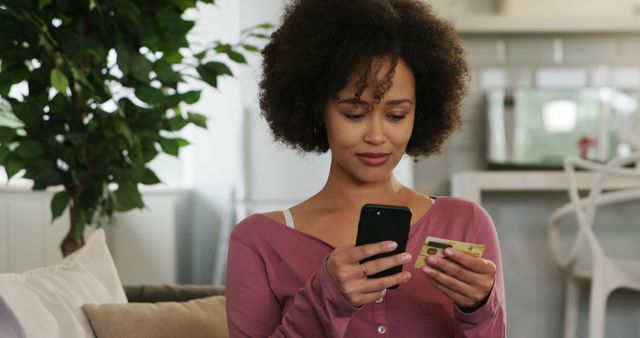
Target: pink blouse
x,y
278,284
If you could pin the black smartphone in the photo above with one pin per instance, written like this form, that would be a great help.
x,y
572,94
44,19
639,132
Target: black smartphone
x,y
384,223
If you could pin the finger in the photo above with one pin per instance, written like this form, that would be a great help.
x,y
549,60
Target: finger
x,y
341,255
384,263
363,251
373,284
476,290
453,283
452,269
460,299
475,264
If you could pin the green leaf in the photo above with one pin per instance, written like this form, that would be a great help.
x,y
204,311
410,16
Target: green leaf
x,y
27,112
222,47
123,59
128,197
42,175
210,71
29,149
166,74
260,36
184,4
43,3
5,90
150,95
191,97
250,48
13,164
60,107
172,57
6,134
171,20
182,142
198,119
140,68
4,151
264,26
59,81
81,78
12,74
123,128
201,55
237,57
149,153
170,146
149,177
177,122
59,204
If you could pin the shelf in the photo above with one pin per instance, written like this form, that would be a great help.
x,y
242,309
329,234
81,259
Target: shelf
x,y
499,24
471,184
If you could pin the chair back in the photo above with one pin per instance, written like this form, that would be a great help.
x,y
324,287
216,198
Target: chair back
x,y
585,208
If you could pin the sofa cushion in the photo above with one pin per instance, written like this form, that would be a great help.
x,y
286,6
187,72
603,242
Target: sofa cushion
x,y
47,301
198,318
9,324
170,292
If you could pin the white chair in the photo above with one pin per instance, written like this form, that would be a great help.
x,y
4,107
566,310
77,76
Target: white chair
x,y
605,273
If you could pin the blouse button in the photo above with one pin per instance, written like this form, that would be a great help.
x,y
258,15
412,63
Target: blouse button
x,y
382,329
380,300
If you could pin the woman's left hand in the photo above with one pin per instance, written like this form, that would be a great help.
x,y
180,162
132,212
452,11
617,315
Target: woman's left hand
x,y
465,279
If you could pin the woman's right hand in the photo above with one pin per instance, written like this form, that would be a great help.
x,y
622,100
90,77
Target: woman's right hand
x,y
349,275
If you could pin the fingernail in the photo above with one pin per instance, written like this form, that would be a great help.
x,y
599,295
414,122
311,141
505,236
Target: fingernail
x,y
392,245
406,276
405,257
432,260
448,252
426,270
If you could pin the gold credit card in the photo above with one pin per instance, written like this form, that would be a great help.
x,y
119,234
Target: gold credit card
x,y
435,246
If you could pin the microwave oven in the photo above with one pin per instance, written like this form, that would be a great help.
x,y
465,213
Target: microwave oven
x,y
537,128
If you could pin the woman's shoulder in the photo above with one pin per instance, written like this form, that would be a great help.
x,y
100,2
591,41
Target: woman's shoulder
x,y
459,206
257,225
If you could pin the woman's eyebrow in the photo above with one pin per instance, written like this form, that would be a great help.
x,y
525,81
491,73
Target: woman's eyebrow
x,y
354,100
397,102
365,103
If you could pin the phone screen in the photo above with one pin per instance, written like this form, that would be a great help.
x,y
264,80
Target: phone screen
x,y
384,223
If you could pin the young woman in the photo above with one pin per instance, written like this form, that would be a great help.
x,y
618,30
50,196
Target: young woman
x,y
369,80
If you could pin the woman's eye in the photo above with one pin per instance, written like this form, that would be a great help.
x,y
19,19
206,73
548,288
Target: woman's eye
x,y
396,117
354,117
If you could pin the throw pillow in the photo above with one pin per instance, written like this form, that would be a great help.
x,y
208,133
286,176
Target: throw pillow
x,y
9,325
47,301
198,318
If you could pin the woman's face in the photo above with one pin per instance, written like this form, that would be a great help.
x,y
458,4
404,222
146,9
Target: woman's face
x,y
368,140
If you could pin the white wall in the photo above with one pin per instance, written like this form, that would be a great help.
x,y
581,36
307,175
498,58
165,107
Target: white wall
x,y
212,162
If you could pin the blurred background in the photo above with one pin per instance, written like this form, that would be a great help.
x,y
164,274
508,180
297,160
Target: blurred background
x,y
549,79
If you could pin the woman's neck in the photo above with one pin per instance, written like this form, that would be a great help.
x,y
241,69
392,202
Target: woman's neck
x,y
342,191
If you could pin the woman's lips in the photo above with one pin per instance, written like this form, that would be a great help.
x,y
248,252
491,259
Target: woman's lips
x,y
374,159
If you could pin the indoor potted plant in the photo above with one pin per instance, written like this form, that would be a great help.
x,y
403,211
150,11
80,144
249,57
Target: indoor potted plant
x,y
103,97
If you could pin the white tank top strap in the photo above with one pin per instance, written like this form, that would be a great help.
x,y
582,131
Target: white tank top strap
x,y
288,218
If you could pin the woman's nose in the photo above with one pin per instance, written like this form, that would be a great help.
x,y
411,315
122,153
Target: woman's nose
x,y
374,134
